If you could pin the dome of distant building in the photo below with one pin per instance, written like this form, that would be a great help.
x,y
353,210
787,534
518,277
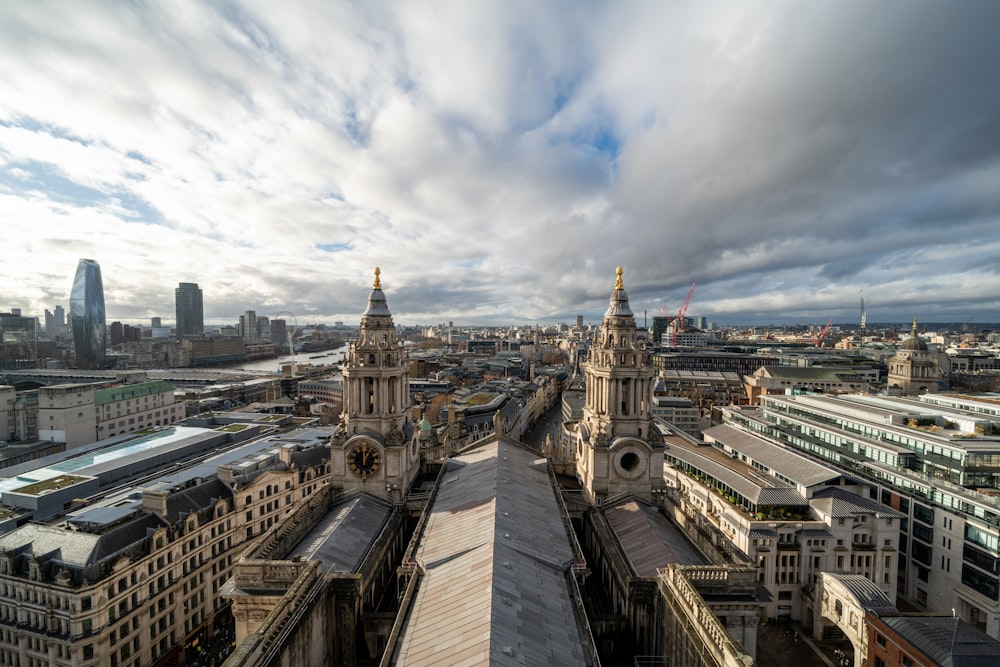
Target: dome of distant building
x,y
914,342
914,369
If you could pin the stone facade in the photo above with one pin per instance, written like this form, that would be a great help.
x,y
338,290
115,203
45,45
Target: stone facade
x,y
139,590
376,449
618,448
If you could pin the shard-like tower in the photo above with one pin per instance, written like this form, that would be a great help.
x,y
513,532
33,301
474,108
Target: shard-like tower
x,y
86,311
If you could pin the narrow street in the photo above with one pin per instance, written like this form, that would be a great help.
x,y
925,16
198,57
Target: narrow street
x,y
549,424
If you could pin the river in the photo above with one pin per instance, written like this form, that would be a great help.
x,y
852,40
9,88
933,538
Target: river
x,y
274,364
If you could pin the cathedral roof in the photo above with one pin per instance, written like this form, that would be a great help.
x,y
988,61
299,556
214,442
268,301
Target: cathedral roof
x,y
648,538
377,306
344,536
618,307
494,554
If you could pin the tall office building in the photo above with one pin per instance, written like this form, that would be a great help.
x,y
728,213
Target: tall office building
x,y
279,334
248,325
660,325
190,310
86,312
18,341
60,321
116,333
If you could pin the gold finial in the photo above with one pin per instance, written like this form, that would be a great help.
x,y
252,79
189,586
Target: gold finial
x,y
618,282
914,326
378,283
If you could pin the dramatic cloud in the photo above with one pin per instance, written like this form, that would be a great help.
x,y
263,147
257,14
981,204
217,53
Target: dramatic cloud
x,y
498,160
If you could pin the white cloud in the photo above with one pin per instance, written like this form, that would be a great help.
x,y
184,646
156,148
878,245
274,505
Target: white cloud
x,y
499,160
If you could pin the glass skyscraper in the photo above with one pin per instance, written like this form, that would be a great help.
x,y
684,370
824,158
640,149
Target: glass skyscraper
x,y
190,310
18,342
86,312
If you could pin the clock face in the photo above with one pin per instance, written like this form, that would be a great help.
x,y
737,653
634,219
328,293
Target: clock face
x,y
364,460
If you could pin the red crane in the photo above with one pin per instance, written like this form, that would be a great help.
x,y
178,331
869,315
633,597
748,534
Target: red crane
x,y
819,341
679,321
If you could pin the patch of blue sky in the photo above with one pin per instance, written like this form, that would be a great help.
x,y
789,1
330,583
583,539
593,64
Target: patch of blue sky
x,y
139,157
32,125
565,89
139,209
353,126
45,178
471,263
334,247
600,138
258,36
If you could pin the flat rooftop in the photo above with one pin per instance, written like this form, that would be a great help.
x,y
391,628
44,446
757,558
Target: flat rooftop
x,y
81,460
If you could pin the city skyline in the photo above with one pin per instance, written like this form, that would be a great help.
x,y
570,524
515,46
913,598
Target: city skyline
x,y
499,161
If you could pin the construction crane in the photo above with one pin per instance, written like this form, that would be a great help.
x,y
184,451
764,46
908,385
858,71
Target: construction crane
x,y
679,321
819,341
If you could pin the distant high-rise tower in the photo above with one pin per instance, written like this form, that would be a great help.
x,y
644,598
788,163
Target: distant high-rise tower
x,y
116,333
190,310
86,312
18,343
248,325
660,325
60,320
279,334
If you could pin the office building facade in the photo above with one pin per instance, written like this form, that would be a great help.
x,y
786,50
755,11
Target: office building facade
x,y
936,464
86,308
18,341
190,310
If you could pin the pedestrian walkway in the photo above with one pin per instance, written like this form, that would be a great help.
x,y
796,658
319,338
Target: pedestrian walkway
x,y
784,644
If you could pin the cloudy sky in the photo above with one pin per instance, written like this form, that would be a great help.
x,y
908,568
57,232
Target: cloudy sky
x,y
498,160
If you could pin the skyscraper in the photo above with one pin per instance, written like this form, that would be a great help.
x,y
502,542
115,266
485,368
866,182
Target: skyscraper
x,y
86,313
60,321
190,310
248,325
18,343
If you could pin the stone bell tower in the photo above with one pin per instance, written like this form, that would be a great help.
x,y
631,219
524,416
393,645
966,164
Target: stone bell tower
x,y
375,448
618,448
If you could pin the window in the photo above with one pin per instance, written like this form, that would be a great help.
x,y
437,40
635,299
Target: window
x,y
880,640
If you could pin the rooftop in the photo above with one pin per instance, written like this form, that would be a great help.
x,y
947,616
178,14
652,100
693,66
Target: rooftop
x,y
649,540
343,537
947,640
494,554
789,464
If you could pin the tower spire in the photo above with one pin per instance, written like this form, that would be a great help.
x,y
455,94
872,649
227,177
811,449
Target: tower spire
x,y
619,442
